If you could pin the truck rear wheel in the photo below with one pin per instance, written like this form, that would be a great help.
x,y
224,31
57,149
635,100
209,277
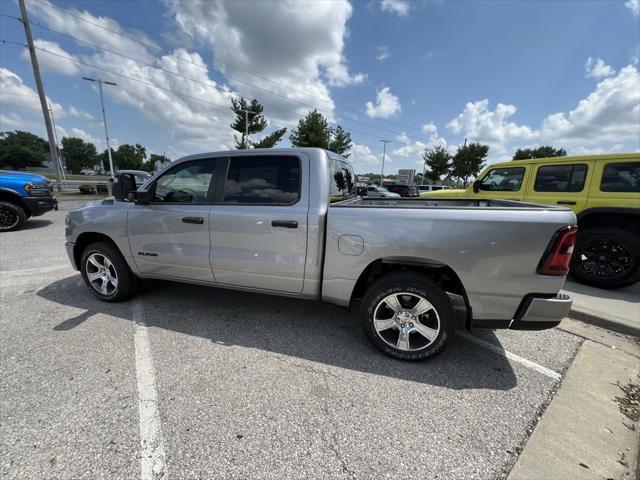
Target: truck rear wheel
x,y
606,257
106,272
11,216
407,316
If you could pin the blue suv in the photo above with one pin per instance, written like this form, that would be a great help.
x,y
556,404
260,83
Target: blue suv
x,y
23,195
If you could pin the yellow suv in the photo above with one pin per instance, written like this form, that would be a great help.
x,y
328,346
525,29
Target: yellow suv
x,y
603,191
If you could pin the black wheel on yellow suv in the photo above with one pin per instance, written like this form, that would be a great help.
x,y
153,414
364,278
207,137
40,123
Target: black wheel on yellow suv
x,y
606,257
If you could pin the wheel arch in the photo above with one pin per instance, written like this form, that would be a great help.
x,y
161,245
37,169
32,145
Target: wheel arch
x,y
619,217
439,272
87,238
11,196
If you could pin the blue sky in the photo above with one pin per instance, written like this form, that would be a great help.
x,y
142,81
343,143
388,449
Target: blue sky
x,y
507,73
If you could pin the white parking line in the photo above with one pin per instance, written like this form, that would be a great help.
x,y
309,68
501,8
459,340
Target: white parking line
x,y
511,356
152,460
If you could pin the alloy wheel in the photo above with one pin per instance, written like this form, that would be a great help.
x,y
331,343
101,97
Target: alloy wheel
x,y
406,321
603,260
8,218
101,274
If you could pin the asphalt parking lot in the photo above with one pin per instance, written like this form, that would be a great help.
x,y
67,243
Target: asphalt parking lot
x,y
194,382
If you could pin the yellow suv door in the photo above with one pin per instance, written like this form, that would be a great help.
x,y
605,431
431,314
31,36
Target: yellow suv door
x,y
561,183
504,183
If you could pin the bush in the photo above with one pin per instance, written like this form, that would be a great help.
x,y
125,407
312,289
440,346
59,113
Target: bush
x,y
102,188
87,189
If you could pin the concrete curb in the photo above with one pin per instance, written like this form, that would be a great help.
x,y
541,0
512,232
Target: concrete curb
x,y
612,323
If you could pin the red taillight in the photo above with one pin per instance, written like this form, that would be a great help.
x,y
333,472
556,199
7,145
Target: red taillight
x,y
557,259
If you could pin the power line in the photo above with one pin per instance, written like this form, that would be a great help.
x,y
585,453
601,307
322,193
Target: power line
x,y
150,84
155,47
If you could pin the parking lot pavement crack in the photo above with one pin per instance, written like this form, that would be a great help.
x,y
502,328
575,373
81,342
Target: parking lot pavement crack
x,y
331,440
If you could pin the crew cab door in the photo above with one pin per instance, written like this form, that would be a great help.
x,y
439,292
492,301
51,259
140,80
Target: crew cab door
x,y
259,227
563,184
504,183
169,237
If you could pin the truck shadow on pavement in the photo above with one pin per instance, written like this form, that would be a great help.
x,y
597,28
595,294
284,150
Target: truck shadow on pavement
x,y
307,330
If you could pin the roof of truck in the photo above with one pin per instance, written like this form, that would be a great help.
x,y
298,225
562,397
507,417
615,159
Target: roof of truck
x,y
576,158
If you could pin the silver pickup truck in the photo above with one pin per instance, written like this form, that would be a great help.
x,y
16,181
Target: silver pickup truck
x,y
288,222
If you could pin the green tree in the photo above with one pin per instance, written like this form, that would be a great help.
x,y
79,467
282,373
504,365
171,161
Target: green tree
x,y
312,131
468,161
78,154
438,163
256,124
21,149
545,151
340,141
270,140
150,165
126,157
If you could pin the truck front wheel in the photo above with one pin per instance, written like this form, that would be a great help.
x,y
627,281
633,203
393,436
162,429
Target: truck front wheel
x,y
106,272
407,316
606,257
11,216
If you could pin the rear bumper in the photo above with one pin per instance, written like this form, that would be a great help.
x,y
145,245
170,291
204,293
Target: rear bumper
x,y
40,205
536,312
540,312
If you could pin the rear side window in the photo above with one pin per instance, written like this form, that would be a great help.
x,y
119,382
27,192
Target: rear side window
x,y
342,183
621,177
561,178
185,183
264,180
506,179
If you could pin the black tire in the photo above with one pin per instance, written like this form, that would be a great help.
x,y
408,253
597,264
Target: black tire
x,y
12,216
413,285
115,266
606,257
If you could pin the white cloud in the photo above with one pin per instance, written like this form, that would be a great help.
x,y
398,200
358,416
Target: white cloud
x,y
399,7
84,25
49,61
611,113
387,104
382,53
414,149
403,138
338,76
258,37
596,68
15,94
634,6
75,112
478,123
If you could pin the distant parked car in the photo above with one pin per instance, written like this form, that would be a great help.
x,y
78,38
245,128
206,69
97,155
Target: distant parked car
x,y
404,190
23,195
431,188
380,192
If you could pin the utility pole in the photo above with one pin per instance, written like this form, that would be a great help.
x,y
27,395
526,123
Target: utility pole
x,y
424,165
246,127
384,154
55,137
104,120
40,88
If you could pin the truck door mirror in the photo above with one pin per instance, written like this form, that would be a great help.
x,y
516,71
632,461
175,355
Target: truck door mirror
x,y
476,186
124,188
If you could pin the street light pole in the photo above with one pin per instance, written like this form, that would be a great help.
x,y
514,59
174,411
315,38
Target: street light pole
x,y
104,119
384,154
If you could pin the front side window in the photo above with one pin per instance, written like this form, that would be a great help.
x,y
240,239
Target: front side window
x,y
507,179
561,178
621,177
264,180
186,183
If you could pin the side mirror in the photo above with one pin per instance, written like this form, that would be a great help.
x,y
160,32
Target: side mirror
x,y
124,189
476,186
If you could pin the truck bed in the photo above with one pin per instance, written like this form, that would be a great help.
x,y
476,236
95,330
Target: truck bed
x,y
466,203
